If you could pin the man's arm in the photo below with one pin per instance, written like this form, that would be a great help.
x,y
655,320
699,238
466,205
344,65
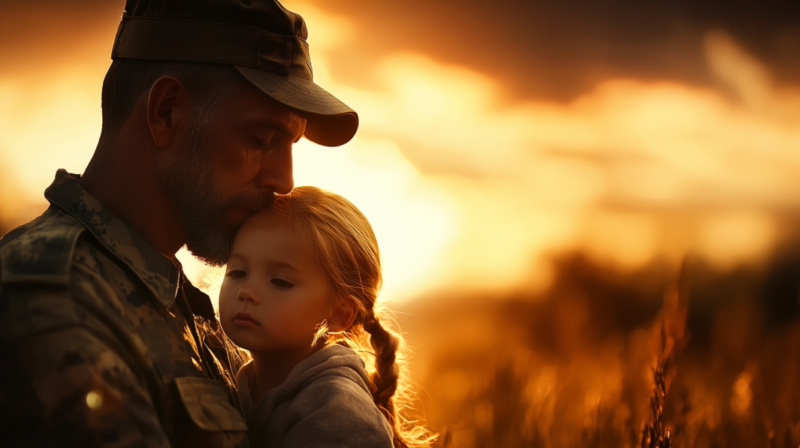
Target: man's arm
x,y
65,378
65,387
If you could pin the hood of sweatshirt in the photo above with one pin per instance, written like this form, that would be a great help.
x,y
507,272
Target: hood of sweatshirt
x,y
333,360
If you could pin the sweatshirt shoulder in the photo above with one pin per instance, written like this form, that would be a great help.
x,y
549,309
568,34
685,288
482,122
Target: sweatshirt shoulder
x,y
341,386
335,410
334,376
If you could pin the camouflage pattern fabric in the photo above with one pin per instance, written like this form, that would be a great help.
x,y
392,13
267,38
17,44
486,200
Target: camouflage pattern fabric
x,y
98,343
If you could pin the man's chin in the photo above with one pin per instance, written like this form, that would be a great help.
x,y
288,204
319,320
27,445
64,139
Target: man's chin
x,y
214,253
211,260
237,216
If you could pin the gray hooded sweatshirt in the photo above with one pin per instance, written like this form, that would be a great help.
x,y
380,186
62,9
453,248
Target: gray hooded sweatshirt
x,y
324,402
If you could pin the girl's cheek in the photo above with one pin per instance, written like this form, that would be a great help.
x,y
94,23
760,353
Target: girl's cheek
x,y
280,319
227,296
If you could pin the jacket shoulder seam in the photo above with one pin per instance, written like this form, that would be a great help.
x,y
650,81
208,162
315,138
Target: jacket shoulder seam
x,y
42,254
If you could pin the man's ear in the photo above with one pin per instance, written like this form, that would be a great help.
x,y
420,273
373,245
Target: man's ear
x,y
342,317
167,105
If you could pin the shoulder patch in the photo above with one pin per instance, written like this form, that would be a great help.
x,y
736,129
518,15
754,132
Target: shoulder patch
x,y
42,253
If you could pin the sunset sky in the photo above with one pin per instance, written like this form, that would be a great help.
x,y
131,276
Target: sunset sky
x,y
494,135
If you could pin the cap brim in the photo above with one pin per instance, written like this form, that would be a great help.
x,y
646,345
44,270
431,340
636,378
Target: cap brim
x,y
330,121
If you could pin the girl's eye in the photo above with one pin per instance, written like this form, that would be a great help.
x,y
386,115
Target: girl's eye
x,y
281,283
236,273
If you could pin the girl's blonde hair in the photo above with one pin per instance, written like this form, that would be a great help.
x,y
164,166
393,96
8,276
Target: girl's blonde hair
x,y
347,250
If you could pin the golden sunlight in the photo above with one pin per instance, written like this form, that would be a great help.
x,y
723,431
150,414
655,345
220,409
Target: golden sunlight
x,y
471,189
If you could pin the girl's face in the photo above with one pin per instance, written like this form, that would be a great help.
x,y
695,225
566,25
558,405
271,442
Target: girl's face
x,y
274,293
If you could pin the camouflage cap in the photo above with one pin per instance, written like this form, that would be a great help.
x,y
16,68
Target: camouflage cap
x,y
263,40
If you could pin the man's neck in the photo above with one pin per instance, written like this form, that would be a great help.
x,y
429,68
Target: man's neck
x,y
123,179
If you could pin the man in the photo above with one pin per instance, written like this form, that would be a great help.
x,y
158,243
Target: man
x,y
99,344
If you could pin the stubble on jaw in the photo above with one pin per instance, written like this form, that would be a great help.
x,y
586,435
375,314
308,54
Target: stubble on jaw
x,y
188,179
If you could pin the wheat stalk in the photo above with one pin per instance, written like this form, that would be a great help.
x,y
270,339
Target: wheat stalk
x,y
674,337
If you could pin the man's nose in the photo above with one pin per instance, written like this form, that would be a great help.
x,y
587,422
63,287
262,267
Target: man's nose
x,y
276,171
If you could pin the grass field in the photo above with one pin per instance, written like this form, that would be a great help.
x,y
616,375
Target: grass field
x,y
606,359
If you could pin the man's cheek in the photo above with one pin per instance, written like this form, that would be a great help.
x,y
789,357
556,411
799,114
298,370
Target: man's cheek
x,y
236,170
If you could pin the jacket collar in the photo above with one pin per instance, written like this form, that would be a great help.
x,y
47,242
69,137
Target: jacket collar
x,y
156,271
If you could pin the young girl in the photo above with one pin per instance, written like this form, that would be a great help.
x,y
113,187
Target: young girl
x,y
299,293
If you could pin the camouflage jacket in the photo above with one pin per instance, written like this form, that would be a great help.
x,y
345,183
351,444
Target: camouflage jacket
x,y
98,342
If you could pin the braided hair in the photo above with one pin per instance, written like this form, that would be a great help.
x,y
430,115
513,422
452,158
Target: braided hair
x,y
347,250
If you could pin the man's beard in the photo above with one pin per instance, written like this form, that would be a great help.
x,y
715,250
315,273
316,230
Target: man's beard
x,y
189,182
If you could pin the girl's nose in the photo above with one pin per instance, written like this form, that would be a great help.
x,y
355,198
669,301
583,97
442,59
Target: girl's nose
x,y
247,295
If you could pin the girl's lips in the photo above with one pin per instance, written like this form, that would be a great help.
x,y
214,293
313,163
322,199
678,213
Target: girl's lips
x,y
245,320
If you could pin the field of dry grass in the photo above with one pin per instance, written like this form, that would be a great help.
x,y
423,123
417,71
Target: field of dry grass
x,y
606,359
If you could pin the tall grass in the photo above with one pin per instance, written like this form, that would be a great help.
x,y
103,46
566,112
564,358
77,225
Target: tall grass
x,y
604,359
674,338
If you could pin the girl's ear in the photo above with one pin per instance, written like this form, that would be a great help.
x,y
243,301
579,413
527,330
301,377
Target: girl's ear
x,y
342,317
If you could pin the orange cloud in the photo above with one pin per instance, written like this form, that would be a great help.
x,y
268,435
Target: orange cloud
x,y
468,191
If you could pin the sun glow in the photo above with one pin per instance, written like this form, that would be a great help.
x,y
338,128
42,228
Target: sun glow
x,y
469,188
412,217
